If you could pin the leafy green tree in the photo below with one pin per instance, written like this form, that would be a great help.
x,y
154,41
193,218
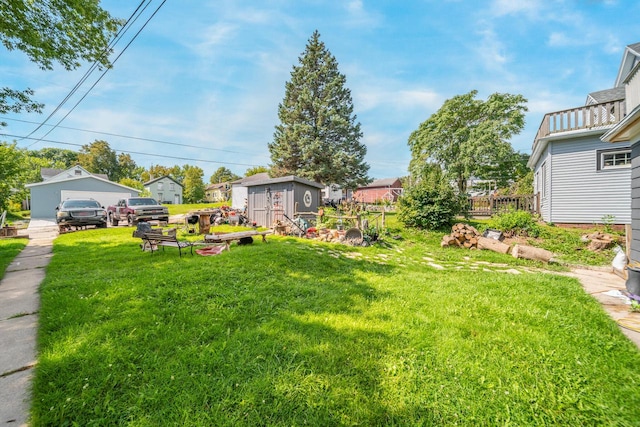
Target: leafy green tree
x,y
506,170
16,101
318,137
127,168
58,158
193,185
256,170
132,183
98,157
157,171
523,185
11,165
223,175
62,31
467,135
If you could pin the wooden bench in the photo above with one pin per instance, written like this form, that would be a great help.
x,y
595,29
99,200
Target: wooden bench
x,y
227,238
155,239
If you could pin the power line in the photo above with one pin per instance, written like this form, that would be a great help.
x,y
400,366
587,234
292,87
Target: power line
x,y
159,141
124,136
117,37
103,74
135,152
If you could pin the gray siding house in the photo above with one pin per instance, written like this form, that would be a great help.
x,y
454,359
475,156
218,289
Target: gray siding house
x,y
628,132
73,183
271,199
578,177
165,190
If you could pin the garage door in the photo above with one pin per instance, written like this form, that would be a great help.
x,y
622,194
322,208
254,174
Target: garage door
x,y
104,198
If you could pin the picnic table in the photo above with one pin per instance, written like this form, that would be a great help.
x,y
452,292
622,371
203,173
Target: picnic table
x,y
227,238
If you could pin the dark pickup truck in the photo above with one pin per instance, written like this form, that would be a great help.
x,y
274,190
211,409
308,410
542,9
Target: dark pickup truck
x,y
137,209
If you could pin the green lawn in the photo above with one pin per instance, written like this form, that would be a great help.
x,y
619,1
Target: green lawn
x,y
294,332
9,248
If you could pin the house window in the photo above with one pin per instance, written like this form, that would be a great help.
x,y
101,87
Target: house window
x,y
172,186
613,159
161,186
160,197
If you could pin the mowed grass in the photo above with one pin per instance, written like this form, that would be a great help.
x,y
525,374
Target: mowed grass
x,y
295,332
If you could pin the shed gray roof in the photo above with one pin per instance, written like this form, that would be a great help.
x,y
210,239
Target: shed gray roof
x,y
257,177
290,178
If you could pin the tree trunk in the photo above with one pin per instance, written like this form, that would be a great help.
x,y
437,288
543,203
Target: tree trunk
x,y
493,245
529,252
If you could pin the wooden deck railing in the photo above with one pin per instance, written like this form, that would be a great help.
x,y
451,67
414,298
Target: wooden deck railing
x,y
586,117
490,205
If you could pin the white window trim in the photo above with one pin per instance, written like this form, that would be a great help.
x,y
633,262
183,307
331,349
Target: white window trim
x,y
601,159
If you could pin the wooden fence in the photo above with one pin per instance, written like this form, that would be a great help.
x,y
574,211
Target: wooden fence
x,y
490,205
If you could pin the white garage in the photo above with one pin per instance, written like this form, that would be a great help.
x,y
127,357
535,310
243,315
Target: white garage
x,y
75,182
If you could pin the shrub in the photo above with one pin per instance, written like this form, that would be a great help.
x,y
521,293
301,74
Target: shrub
x,y
516,223
429,207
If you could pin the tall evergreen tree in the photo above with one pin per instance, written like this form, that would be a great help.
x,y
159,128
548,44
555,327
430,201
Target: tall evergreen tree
x,y
318,137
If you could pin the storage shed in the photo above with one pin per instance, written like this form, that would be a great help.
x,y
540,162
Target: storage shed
x,y
271,199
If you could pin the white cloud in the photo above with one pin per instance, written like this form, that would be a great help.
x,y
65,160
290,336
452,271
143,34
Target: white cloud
x,y
515,7
557,39
491,50
358,16
213,36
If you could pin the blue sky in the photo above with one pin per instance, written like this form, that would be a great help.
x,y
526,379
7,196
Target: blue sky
x,y
210,74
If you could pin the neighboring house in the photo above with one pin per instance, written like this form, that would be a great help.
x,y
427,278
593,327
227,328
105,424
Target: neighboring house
x,y
579,178
269,200
165,190
239,192
217,192
73,183
626,132
388,189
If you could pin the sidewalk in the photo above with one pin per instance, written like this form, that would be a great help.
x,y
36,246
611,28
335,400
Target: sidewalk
x,y
604,286
19,305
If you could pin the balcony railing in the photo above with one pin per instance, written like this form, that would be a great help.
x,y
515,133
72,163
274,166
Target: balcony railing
x,y
586,117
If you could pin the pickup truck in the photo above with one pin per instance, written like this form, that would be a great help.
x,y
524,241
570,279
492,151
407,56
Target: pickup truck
x,y
137,209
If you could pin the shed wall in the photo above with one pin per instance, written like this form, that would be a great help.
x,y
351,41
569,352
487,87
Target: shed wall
x,y
264,207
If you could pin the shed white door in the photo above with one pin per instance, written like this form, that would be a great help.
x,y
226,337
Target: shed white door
x,y
104,198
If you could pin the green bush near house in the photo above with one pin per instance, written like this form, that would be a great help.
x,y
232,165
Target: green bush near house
x,y
516,223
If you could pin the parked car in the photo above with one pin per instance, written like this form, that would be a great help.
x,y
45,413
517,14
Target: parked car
x,y
81,212
137,209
